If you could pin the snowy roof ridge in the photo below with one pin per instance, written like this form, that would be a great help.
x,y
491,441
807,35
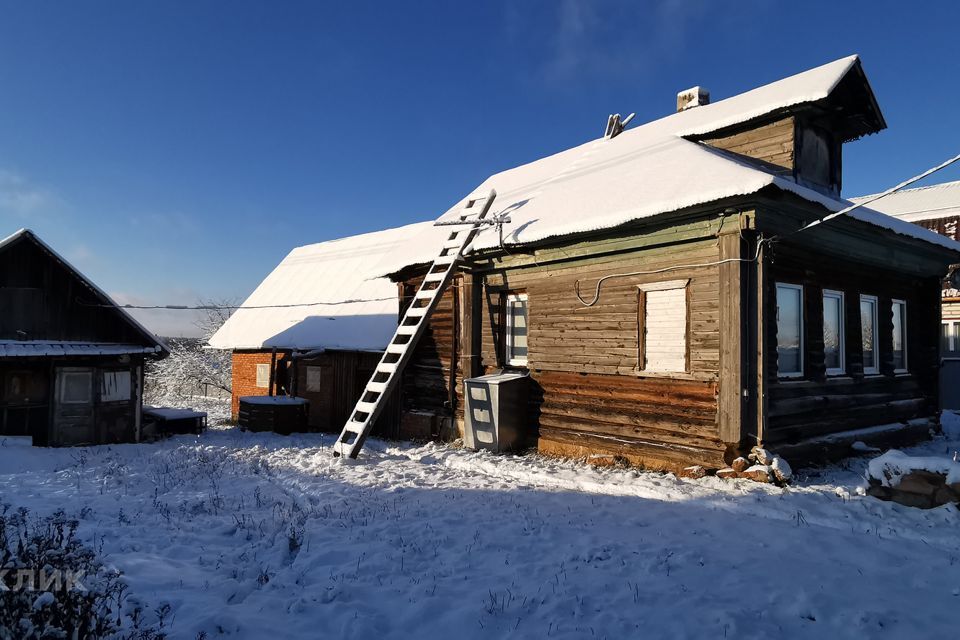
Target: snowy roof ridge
x,y
25,232
929,202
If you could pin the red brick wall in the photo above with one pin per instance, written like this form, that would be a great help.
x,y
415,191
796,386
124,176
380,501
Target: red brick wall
x,y
245,375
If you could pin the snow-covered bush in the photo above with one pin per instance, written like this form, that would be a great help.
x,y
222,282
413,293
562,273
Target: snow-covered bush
x,y
53,586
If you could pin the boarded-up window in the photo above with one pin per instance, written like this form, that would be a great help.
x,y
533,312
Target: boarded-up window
x,y
516,329
663,338
115,386
899,336
263,375
313,379
868,329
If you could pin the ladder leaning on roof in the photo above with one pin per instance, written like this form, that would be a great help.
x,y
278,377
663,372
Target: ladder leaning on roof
x,y
412,325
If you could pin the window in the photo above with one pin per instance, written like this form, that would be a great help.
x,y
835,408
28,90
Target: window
x,y
75,387
950,337
789,330
899,336
833,333
115,386
868,328
663,336
313,378
516,329
263,375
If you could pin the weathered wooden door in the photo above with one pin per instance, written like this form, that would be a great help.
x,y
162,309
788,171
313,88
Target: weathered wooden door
x,y
73,418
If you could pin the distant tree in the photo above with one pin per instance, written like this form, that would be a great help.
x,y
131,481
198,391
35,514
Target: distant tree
x,y
193,369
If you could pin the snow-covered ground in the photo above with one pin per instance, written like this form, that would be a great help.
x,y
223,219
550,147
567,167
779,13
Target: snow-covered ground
x,y
259,536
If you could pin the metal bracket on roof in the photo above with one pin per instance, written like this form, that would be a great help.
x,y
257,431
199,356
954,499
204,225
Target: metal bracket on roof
x,y
615,126
481,223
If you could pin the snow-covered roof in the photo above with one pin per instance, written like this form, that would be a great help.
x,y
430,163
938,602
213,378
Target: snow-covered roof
x,y
48,348
654,169
330,295
921,203
158,346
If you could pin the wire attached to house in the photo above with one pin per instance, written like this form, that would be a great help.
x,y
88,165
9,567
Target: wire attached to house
x,y
769,241
215,307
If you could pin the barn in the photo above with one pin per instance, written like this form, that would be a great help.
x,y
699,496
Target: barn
x,y
71,361
316,326
655,286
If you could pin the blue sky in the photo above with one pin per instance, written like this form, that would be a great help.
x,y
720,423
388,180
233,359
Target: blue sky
x,y
178,150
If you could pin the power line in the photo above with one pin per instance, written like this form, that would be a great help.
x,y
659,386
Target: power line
x,y
217,307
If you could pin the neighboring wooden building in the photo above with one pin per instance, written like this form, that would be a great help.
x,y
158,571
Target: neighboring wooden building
x,y
706,327
935,207
316,326
71,361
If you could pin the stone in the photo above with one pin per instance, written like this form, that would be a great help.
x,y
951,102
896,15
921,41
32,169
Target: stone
x,y
696,472
944,495
913,500
726,473
740,464
781,470
758,473
879,491
761,456
917,484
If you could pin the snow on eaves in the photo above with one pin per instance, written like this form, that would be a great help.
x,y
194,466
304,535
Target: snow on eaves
x,y
47,348
921,203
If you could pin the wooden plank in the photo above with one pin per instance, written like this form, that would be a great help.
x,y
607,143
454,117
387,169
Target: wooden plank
x,y
732,338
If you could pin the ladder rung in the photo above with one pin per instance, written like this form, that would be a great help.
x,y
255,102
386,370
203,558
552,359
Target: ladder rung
x,y
396,348
387,367
425,293
453,244
416,312
435,277
450,259
407,329
377,387
366,407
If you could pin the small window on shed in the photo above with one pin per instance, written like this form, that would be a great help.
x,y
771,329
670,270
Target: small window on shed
x,y
868,328
263,375
899,336
789,330
115,386
515,310
663,327
313,379
833,332
76,387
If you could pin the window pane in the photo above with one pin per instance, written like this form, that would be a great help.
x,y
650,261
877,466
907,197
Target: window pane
x,y
833,332
789,330
263,375
517,324
314,383
115,386
76,388
899,336
868,327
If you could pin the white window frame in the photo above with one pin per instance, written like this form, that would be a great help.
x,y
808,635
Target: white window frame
x,y
903,326
263,375
509,358
953,332
839,297
803,362
875,369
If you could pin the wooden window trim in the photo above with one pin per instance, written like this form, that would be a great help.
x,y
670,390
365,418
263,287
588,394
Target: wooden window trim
x,y
841,300
507,324
642,291
792,375
875,369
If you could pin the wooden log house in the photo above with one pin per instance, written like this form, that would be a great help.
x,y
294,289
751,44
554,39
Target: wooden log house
x,y
71,361
652,284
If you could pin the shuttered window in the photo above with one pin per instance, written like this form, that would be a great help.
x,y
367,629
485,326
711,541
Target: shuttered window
x,y
663,319
516,329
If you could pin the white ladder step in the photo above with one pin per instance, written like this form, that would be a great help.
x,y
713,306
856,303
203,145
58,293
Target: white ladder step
x,y
442,260
376,387
387,367
425,293
366,407
396,347
407,329
435,277
416,312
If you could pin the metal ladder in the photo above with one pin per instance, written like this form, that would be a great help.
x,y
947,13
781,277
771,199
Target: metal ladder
x,y
386,376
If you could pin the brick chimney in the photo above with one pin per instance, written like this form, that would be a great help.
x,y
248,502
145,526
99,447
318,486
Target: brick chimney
x,y
693,97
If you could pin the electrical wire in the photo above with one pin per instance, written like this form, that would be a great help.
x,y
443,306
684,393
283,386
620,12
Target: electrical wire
x,y
762,241
214,307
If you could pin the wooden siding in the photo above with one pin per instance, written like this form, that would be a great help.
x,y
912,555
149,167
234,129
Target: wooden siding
x,y
819,404
949,226
771,143
428,384
343,376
